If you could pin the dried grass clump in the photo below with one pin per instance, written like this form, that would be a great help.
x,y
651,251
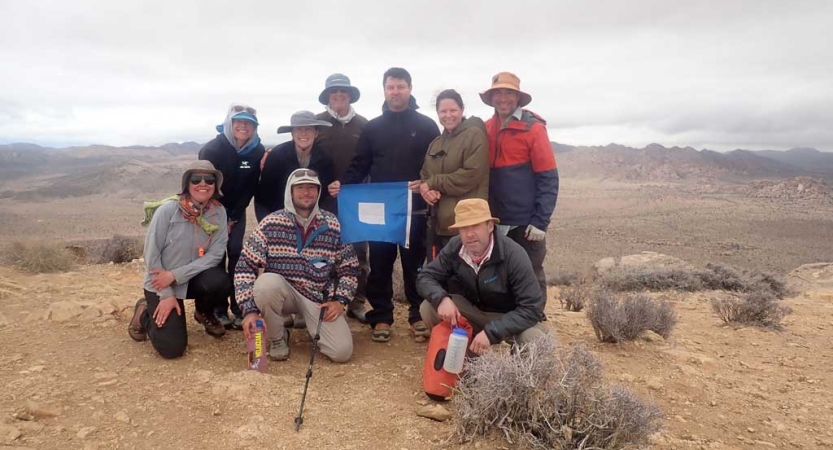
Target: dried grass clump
x,y
539,398
758,308
575,298
712,277
121,249
624,319
40,257
630,279
563,278
727,278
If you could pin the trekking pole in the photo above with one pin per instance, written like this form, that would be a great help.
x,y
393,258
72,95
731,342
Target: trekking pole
x,y
300,419
432,233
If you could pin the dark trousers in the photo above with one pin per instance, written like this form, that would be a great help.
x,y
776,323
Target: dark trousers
x,y
536,251
361,292
380,279
208,289
233,250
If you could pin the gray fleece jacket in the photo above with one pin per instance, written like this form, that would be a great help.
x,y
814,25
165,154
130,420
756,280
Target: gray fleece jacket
x,y
172,243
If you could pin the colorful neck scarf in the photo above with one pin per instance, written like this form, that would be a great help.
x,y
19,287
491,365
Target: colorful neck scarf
x,y
194,213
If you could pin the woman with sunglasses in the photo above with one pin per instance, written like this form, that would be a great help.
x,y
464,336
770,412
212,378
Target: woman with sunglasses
x,y
185,243
236,152
456,167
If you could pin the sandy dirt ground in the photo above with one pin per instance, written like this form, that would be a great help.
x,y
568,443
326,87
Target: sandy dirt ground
x,y
73,379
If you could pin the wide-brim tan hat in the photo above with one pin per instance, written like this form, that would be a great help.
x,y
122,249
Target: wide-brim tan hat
x,y
202,166
471,211
506,80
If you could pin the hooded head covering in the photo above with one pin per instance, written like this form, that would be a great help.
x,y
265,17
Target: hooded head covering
x,y
240,112
301,176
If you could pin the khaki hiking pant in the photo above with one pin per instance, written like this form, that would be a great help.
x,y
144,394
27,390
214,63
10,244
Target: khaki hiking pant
x,y
276,298
477,318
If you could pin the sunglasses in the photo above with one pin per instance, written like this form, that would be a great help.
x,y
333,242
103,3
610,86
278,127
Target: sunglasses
x,y
209,179
338,90
241,108
305,173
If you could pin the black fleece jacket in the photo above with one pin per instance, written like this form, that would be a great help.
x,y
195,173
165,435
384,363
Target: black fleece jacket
x,y
282,160
392,147
240,174
504,284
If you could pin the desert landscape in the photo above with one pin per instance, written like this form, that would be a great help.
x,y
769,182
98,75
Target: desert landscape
x,y
74,379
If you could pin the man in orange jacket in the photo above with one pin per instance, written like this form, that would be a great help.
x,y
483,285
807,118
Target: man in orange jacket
x,y
522,163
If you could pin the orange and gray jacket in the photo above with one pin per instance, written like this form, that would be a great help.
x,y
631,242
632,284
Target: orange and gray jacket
x,y
523,182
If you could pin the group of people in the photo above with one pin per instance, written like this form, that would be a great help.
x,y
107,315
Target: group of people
x,y
489,190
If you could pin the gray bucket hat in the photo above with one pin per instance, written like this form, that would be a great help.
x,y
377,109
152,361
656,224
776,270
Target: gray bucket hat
x,y
205,167
338,80
303,119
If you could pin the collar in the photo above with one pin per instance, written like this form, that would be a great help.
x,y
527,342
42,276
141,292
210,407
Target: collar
x,y
517,115
343,119
467,257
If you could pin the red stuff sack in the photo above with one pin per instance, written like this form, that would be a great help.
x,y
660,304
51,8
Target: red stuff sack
x,y
436,382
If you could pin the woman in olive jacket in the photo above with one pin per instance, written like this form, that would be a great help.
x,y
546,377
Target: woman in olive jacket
x,y
456,167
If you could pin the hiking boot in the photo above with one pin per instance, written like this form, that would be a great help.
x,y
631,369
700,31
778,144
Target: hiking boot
x,y
213,327
299,321
357,310
223,318
380,333
279,348
135,329
421,331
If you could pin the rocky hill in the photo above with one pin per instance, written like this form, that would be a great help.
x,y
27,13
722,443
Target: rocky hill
x,y
798,189
658,163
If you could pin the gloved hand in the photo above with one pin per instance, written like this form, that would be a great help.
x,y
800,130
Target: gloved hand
x,y
534,235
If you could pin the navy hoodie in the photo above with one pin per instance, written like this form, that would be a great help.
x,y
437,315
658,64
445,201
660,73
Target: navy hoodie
x,y
240,173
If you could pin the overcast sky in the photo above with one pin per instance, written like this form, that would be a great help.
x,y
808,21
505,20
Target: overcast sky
x,y
709,74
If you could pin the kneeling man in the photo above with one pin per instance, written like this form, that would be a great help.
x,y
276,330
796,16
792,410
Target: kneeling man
x,y
500,294
290,261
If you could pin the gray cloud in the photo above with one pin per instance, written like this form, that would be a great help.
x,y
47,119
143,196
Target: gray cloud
x,y
716,74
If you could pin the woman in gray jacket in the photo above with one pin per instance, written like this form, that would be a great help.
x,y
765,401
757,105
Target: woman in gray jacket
x,y
184,246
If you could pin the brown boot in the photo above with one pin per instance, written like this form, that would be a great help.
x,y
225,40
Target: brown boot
x,y
135,329
213,327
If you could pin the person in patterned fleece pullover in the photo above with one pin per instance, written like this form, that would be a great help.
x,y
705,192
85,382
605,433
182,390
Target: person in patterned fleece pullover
x,y
287,266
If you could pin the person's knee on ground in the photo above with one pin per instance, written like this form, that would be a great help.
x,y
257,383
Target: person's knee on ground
x,y
339,352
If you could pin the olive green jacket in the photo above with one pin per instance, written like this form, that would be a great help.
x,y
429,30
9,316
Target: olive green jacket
x,y
457,165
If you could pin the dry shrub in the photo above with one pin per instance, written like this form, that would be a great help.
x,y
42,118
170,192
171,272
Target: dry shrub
x,y
563,278
121,249
624,319
540,398
757,308
40,257
712,277
727,278
575,298
629,279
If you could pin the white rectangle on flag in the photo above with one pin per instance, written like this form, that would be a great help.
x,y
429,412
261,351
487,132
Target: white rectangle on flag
x,y
372,213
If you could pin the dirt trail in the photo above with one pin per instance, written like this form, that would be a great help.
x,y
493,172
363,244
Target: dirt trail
x,y
67,362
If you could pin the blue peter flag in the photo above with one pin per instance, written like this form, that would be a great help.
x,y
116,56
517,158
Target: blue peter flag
x,y
378,212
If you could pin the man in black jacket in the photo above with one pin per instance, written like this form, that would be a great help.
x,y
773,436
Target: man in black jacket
x,y
392,148
485,277
236,152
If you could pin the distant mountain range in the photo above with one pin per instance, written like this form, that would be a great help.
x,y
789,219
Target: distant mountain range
x,y
659,163
31,171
